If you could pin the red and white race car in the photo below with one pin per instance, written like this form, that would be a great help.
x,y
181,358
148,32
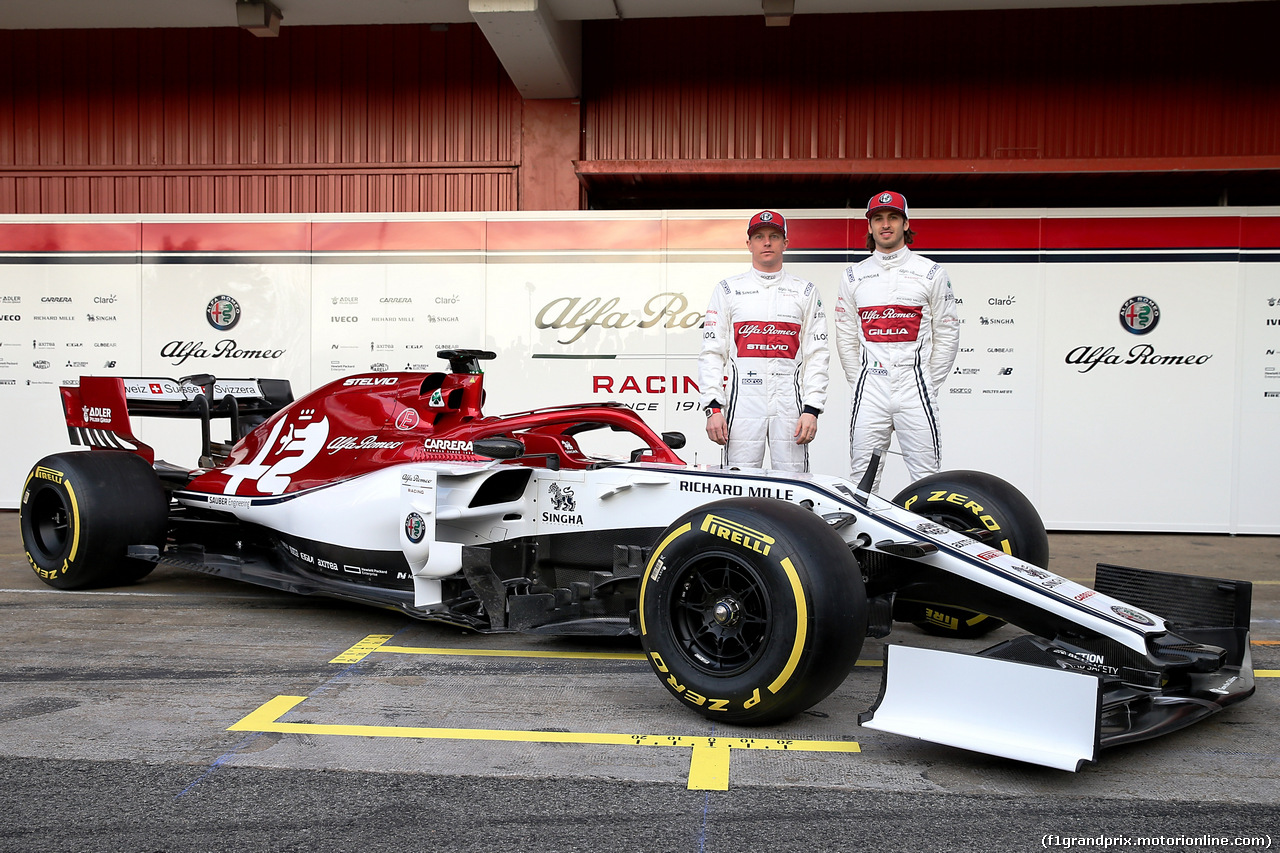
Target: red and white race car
x,y
752,591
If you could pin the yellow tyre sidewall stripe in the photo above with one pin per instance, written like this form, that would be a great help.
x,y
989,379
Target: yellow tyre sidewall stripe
x,y
797,594
657,553
75,517
802,627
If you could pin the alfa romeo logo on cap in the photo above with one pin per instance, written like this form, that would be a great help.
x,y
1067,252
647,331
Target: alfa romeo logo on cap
x,y
885,198
1139,315
766,217
222,312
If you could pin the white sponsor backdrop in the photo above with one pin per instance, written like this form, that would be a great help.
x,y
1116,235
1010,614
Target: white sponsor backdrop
x,y
1175,430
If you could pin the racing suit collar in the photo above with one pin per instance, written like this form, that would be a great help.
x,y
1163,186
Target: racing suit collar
x,y
767,279
892,259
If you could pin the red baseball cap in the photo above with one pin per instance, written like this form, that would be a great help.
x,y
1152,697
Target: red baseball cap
x,y
888,201
770,218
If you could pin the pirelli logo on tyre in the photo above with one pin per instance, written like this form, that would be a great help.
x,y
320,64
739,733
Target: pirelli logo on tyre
x,y
42,473
738,534
943,620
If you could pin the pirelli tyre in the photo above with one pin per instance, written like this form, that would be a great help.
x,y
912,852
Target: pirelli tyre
x,y
989,508
751,610
80,512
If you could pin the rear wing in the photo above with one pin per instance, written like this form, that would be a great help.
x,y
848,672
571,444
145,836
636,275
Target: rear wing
x,y
98,409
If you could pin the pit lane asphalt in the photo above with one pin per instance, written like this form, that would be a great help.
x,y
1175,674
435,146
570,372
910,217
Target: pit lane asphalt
x,y
116,710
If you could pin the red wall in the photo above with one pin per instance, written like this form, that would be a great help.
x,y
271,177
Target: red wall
x,y
1162,82
215,120
404,118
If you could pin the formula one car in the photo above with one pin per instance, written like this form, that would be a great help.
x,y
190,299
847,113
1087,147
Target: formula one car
x,y
752,591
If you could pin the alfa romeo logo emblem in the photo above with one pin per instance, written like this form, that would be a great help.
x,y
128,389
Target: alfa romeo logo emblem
x,y
766,217
414,527
885,198
1132,615
1139,315
222,312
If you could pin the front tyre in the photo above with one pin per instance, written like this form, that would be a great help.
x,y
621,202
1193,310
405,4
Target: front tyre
x,y
986,507
752,610
80,512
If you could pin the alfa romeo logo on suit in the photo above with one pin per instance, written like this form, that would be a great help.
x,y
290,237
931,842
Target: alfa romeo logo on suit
x,y
222,312
1139,315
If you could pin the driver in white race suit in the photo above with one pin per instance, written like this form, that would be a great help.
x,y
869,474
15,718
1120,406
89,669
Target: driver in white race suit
x,y
763,367
898,333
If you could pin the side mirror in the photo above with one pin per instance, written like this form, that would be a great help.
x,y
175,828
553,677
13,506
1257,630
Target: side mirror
x,y
498,448
674,440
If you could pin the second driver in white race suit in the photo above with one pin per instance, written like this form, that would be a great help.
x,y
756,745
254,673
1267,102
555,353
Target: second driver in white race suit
x,y
763,366
898,333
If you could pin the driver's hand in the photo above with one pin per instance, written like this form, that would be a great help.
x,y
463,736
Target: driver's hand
x,y
718,429
806,428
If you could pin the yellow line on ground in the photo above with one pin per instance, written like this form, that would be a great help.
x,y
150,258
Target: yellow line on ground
x,y
377,643
708,763
362,649
513,653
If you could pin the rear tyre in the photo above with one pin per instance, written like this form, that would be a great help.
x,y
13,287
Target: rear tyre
x,y
990,508
80,512
752,610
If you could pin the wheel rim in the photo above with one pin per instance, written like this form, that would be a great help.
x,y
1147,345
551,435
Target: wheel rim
x,y
720,614
50,524
960,524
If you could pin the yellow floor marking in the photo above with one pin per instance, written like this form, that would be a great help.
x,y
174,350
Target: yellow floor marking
x,y
513,653
361,650
377,643
708,765
708,768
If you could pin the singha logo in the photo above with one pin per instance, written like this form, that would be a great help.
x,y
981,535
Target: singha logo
x,y
562,499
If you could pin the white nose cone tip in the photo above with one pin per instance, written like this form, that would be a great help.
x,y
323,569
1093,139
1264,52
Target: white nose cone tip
x,y
1029,713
